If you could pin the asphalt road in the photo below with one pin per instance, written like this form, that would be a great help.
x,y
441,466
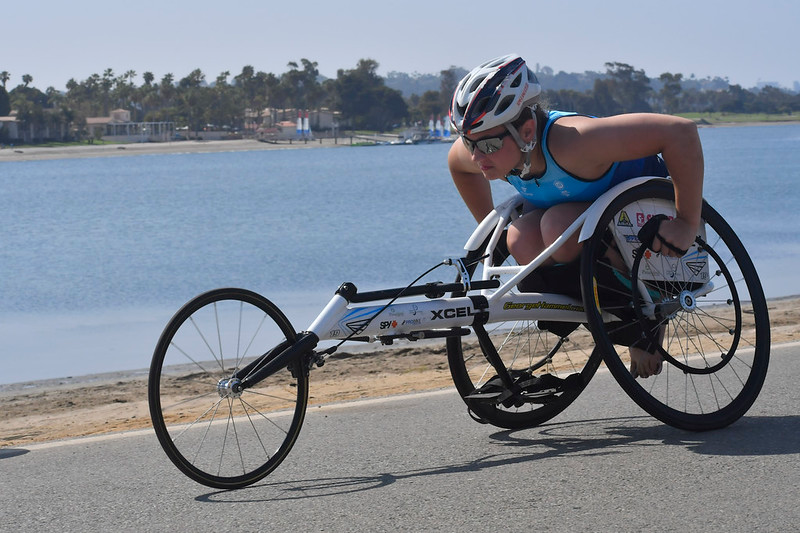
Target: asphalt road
x,y
419,463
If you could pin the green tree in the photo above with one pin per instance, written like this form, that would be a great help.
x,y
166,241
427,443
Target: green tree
x,y
388,111
25,119
124,94
570,100
630,88
193,100
5,102
67,118
330,95
93,95
106,84
301,86
57,122
30,114
774,100
227,108
147,95
426,106
256,91
735,100
4,77
81,96
670,91
447,86
366,101
604,104
167,90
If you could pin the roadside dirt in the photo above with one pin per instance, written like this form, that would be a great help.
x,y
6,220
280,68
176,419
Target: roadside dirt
x,y
39,412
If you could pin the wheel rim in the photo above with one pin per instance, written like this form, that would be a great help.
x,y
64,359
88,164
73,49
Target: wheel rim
x,y
528,349
216,432
715,337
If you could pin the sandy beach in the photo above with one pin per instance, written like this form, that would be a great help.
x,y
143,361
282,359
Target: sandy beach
x,y
36,153
91,405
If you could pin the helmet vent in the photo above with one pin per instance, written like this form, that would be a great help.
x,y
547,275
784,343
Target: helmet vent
x,y
516,81
475,85
504,103
480,105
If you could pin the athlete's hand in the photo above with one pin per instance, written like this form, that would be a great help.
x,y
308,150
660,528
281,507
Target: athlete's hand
x,y
676,232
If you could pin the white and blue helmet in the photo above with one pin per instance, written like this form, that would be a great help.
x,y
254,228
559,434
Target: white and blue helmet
x,y
493,94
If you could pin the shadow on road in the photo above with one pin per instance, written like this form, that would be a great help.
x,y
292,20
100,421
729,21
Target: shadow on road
x,y
5,453
757,435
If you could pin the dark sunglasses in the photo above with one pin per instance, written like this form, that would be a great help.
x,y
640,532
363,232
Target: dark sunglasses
x,y
487,145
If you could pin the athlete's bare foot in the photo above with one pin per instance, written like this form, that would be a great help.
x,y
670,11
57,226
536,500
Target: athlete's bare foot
x,y
645,364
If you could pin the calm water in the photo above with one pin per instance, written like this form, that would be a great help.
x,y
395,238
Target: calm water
x,y
98,253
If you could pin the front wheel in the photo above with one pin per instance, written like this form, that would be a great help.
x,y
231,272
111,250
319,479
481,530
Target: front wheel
x,y
214,432
550,362
704,313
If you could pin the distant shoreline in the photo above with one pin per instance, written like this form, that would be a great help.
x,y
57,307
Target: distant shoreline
x,y
705,124
37,153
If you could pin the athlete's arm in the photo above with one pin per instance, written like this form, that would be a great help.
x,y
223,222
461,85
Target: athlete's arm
x,y
473,187
587,147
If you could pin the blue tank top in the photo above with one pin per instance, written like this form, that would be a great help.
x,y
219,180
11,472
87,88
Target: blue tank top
x,y
557,185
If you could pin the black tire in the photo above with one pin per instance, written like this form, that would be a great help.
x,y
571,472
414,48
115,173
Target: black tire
x,y
217,436
522,345
711,313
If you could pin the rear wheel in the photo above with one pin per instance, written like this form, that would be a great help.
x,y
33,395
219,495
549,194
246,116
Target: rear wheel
x,y
705,313
215,432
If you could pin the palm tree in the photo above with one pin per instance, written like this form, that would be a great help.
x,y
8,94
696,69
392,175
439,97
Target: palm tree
x,y
124,90
147,94
106,84
167,90
4,77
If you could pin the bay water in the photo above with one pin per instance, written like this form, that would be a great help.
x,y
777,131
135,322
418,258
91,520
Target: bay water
x,y
97,254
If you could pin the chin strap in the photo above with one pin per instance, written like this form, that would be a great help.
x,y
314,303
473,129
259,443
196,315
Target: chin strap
x,y
525,148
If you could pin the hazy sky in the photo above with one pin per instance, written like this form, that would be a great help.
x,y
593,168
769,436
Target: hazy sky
x,y
53,41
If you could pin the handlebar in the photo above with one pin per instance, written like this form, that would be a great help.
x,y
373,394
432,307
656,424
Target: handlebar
x,y
432,290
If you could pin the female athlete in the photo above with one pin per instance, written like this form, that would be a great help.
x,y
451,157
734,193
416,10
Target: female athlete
x,y
560,162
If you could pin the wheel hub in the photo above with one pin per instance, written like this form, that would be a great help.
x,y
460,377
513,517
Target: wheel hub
x,y
688,301
229,388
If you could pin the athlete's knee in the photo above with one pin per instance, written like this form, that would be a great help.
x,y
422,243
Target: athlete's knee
x,y
524,240
518,245
553,225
